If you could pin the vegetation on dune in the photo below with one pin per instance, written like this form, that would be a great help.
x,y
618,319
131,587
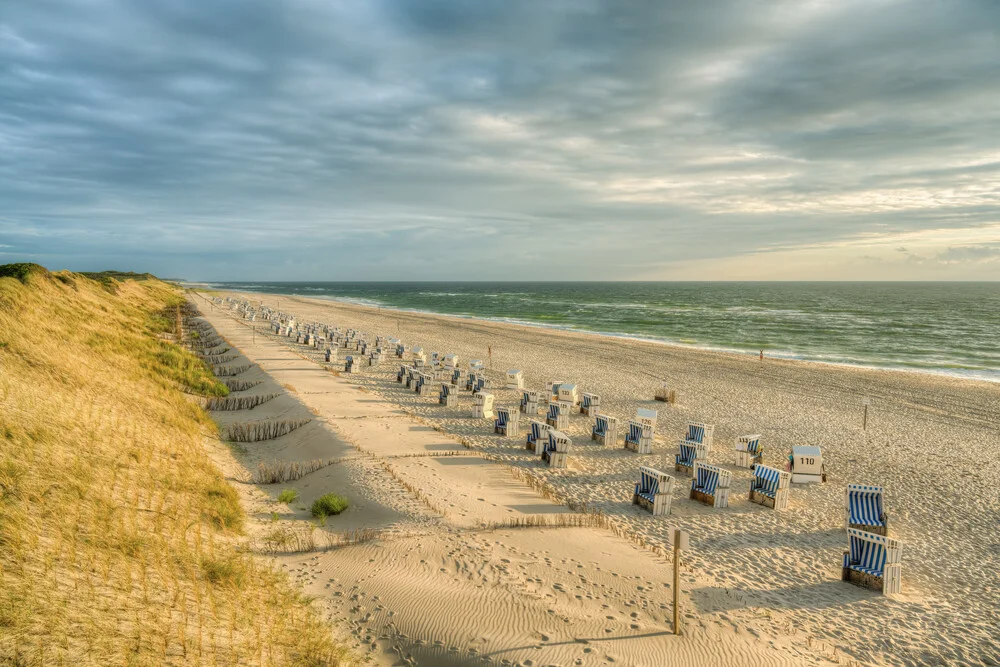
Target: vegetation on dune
x,y
329,504
120,542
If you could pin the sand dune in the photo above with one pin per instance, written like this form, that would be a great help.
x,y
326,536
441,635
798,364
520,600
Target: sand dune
x,y
767,582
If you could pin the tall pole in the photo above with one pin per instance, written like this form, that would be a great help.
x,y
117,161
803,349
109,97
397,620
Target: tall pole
x,y
677,588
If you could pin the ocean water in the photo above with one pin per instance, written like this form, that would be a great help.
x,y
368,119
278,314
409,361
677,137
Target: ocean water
x,y
951,328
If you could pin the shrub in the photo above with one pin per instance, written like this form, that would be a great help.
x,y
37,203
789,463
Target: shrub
x,y
329,505
288,496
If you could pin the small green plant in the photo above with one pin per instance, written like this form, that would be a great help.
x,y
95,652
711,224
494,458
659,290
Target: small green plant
x,y
229,571
329,505
288,496
275,517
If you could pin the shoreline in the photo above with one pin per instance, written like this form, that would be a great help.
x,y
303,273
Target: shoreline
x,y
784,564
781,357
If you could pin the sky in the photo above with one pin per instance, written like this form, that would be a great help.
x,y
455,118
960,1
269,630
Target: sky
x,y
464,140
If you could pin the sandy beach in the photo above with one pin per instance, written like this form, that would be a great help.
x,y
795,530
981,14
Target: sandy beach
x,y
452,578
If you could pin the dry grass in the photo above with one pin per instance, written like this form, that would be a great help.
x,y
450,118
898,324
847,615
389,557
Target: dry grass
x,y
120,542
266,429
279,472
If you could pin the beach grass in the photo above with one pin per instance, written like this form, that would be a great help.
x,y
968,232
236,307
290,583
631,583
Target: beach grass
x,y
120,542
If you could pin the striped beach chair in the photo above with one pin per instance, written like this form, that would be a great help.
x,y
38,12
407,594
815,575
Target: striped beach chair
x,y
556,449
589,404
529,402
864,510
748,451
558,415
447,396
710,485
470,382
480,384
605,430
639,437
538,435
507,422
689,453
456,377
769,487
873,561
653,491
701,433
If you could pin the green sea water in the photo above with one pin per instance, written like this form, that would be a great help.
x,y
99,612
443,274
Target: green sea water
x,y
951,328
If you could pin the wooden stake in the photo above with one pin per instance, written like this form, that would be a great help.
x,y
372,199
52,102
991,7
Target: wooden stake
x,y
677,589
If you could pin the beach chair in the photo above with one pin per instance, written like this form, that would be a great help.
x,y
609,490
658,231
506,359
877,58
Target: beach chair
x,y
873,561
558,415
425,384
446,396
476,366
352,364
806,465
863,509
507,422
653,491
451,361
418,355
470,381
556,450
748,451
482,406
529,402
480,384
567,393
400,350
331,354
710,484
515,379
589,404
552,391
411,376
374,359
457,375
665,394
639,437
689,453
769,487
702,433
538,435
605,430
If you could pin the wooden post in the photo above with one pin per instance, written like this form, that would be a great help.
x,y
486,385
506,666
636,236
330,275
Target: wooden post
x,y
680,544
864,423
253,335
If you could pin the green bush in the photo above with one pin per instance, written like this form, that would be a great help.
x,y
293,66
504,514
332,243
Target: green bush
x,y
288,496
329,505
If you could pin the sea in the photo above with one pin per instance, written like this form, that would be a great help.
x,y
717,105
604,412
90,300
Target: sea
x,y
941,327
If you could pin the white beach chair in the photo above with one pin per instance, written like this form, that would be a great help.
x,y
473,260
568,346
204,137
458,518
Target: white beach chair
x,y
451,361
538,436
567,393
864,509
529,402
710,485
590,404
447,396
749,451
507,422
558,415
605,430
653,492
769,487
557,450
690,452
806,465
482,406
639,438
515,379
873,561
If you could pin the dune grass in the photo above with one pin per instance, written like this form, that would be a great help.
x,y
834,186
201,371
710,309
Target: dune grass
x,y
120,542
329,504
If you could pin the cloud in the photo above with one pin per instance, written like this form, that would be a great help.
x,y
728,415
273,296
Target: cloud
x,y
448,139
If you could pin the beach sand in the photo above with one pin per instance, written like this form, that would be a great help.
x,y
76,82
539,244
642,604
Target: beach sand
x,y
764,586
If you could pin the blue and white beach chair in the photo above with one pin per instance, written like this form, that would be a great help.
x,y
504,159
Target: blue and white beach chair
x,y
653,491
538,435
873,561
769,487
710,484
556,450
639,437
507,422
529,402
748,451
558,415
589,404
605,430
689,453
701,433
864,509
447,396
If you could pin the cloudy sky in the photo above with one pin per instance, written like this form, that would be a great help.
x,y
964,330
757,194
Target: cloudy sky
x,y
447,139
